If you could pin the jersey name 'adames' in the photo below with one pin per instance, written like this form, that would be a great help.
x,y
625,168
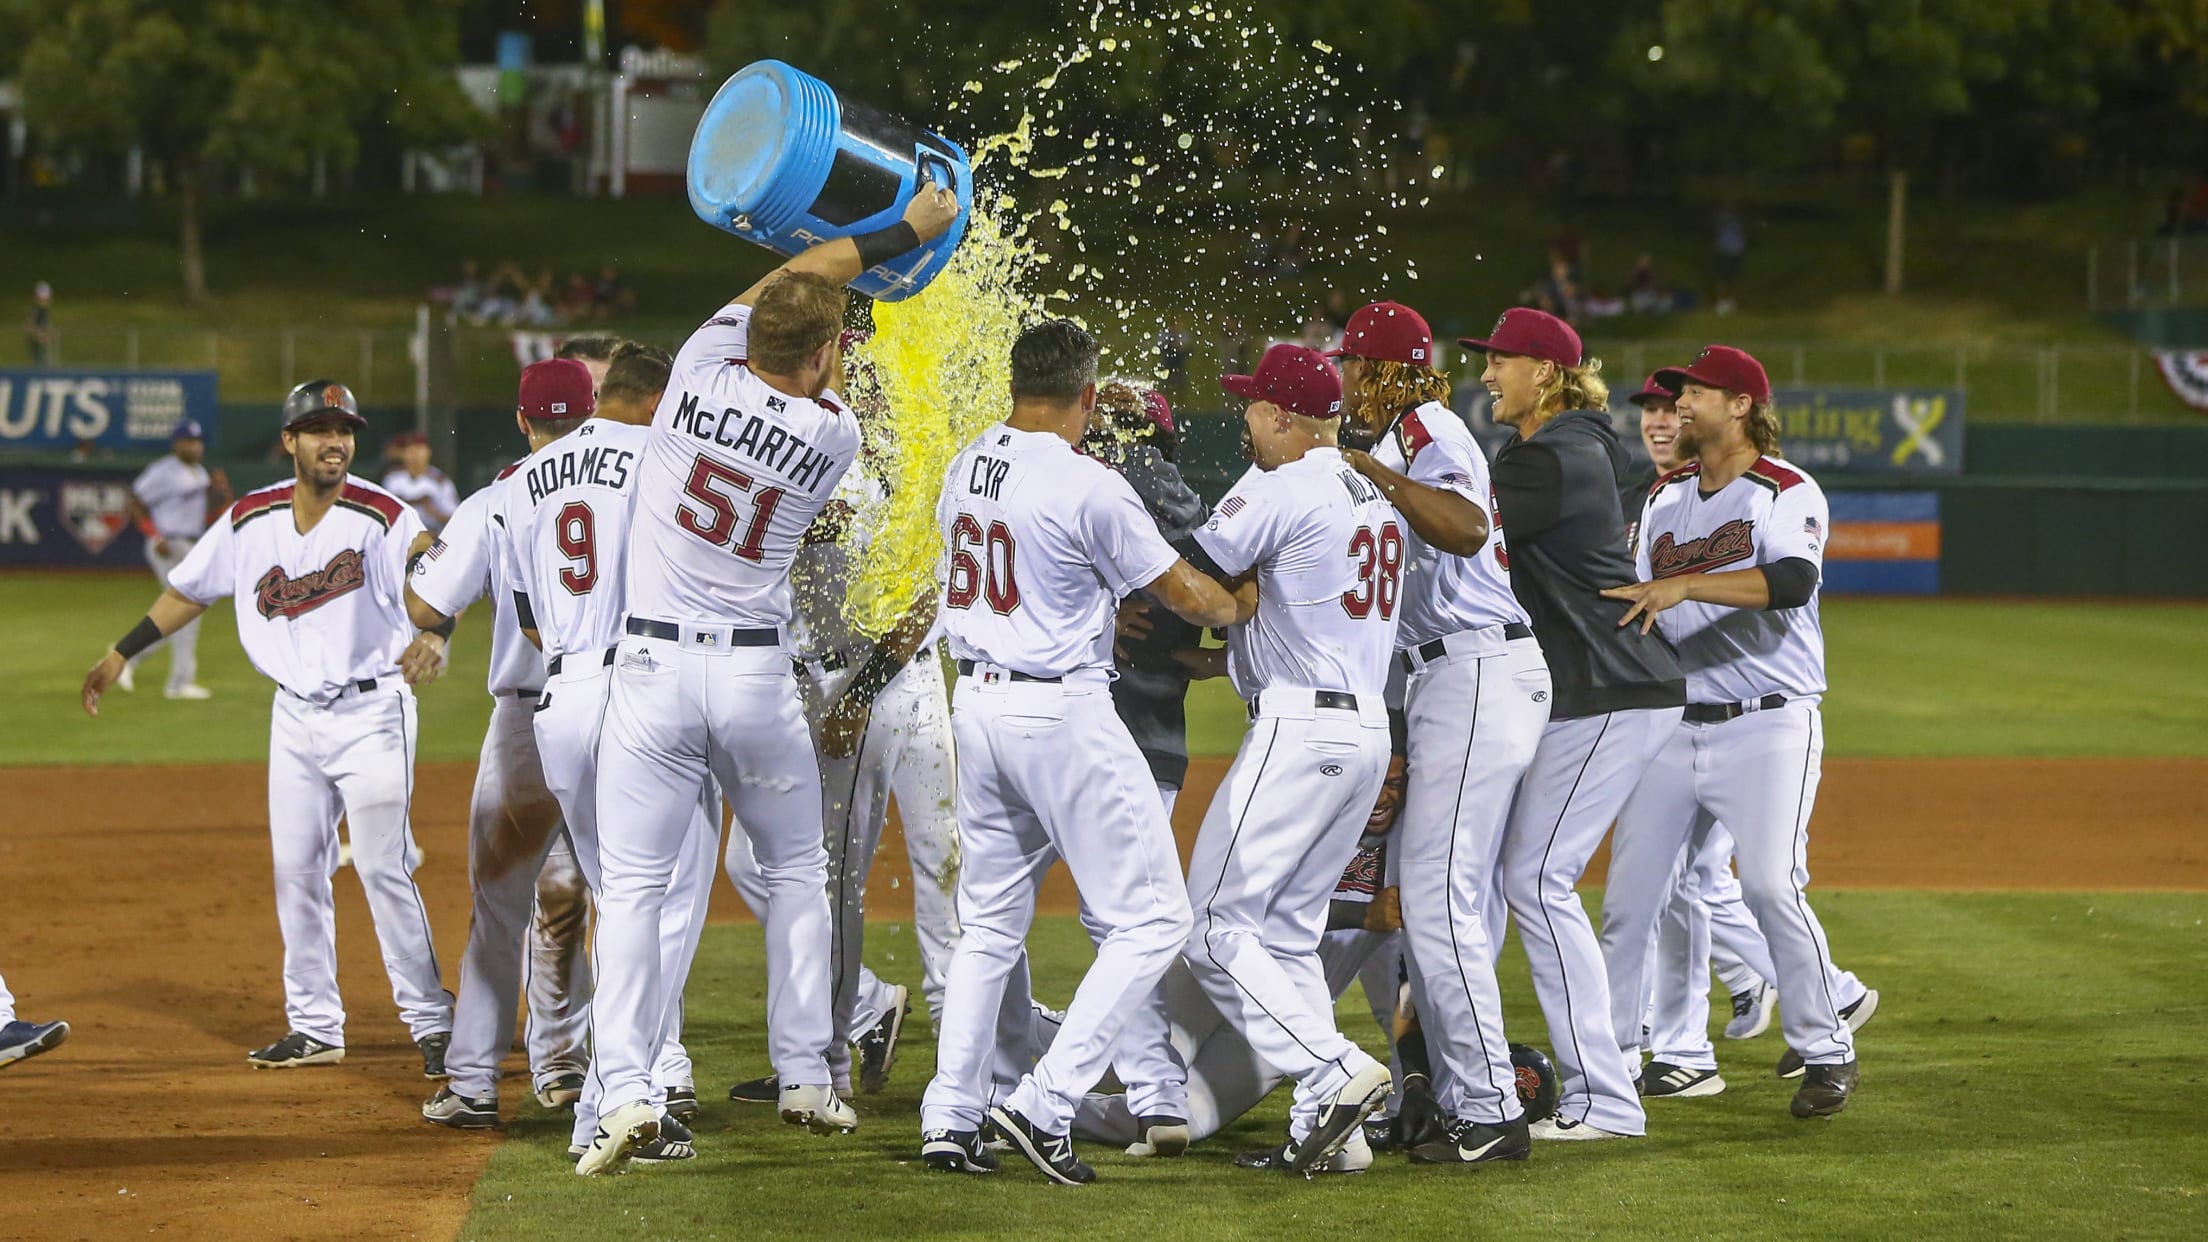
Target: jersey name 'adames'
x,y
568,510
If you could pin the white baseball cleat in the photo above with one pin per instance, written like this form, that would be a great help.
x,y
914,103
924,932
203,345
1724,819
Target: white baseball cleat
x,y
1564,1129
818,1108
126,681
620,1134
1752,1011
194,692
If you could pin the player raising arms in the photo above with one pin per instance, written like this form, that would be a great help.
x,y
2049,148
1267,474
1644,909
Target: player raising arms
x,y
1042,545
1731,550
746,447
323,561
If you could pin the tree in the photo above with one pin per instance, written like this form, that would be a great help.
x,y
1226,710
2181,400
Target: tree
x,y
273,85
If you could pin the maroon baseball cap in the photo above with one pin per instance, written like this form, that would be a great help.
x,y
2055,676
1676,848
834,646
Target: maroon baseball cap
x,y
1533,334
1652,392
556,388
1296,378
1720,366
1159,411
1387,332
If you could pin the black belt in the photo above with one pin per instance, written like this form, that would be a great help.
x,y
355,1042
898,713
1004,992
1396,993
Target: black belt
x,y
833,661
364,685
673,633
553,669
1322,698
523,694
1719,713
966,669
1430,652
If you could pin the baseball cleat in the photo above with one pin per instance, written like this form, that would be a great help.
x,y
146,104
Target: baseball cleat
x,y
1825,1090
878,1046
1857,1016
1354,1157
1162,1135
295,1050
1474,1142
664,1150
19,1040
766,1090
195,693
1051,1153
560,1091
1341,1116
1564,1129
126,681
1752,1011
433,1053
1380,1133
818,1108
682,1103
620,1135
1665,1080
956,1151
458,1112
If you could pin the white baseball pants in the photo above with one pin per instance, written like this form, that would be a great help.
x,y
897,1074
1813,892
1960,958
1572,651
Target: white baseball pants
x,y
352,757
1475,721
1582,773
1046,770
681,714
183,645
7,1004
1274,841
557,975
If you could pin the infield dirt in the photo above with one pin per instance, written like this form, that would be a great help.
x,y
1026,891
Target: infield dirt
x,y
138,907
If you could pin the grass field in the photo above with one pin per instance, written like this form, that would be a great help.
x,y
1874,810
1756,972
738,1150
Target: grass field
x,y
2043,1081
1929,677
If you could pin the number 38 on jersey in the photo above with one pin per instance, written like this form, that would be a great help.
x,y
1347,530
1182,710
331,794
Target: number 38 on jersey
x,y
1379,560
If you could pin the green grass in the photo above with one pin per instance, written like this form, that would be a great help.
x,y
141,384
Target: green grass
x,y
2034,1072
1911,678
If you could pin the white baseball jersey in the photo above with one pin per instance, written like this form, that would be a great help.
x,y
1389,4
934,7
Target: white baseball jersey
x,y
468,561
732,475
319,611
1328,550
175,496
1040,544
1445,594
567,511
433,496
1774,511
821,576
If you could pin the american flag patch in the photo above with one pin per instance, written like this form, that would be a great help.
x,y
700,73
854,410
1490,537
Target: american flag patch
x,y
1231,506
1456,479
1809,525
436,550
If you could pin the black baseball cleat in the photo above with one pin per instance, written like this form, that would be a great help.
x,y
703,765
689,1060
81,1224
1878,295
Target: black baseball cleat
x,y
1825,1090
1857,1016
1473,1142
293,1051
766,1090
682,1104
1663,1080
560,1091
956,1151
878,1046
433,1048
664,1150
1380,1133
1051,1153
671,1127
1358,1099
1162,1135
451,1109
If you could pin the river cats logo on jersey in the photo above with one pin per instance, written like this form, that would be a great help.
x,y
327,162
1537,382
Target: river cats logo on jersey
x,y
1729,544
279,595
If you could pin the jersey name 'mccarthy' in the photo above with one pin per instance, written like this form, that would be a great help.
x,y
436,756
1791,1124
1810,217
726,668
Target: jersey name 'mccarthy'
x,y
1734,541
767,444
277,594
597,465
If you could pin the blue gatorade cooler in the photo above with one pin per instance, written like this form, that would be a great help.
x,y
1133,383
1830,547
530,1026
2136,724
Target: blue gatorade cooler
x,y
781,160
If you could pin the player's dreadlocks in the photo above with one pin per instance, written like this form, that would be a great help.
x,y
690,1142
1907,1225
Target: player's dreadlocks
x,y
1390,387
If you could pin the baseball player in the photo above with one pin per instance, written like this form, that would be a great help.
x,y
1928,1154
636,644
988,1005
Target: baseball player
x,y
1616,694
745,449
1041,544
171,501
1731,550
1476,702
420,484
323,560
20,1039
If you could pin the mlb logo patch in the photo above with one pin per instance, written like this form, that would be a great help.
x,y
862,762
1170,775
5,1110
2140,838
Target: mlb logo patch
x,y
559,407
706,638
1418,353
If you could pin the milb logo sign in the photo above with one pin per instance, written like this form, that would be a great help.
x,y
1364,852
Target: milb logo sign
x,y
124,410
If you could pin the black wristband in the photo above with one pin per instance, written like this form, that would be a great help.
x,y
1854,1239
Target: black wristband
x,y
445,630
141,636
886,244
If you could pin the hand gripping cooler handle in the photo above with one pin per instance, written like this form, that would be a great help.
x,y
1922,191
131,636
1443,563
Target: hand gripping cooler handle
x,y
936,167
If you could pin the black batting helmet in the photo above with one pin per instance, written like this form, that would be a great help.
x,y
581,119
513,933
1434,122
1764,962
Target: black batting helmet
x,y
320,399
1537,1081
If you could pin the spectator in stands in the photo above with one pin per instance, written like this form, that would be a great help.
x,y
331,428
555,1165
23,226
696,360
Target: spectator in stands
x,y
535,310
1173,356
1731,244
576,299
468,296
38,328
611,295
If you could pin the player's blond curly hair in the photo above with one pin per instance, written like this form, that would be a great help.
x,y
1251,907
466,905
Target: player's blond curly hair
x,y
1575,388
1763,428
1389,387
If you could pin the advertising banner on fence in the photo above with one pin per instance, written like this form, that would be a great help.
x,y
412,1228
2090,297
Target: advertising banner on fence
x,y
1883,543
127,412
1872,430
68,517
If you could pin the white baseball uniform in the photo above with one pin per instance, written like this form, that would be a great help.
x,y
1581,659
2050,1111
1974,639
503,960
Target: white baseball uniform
x,y
323,615
732,473
431,495
1749,752
175,496
1327,551
566,511
1041,544
1476,702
